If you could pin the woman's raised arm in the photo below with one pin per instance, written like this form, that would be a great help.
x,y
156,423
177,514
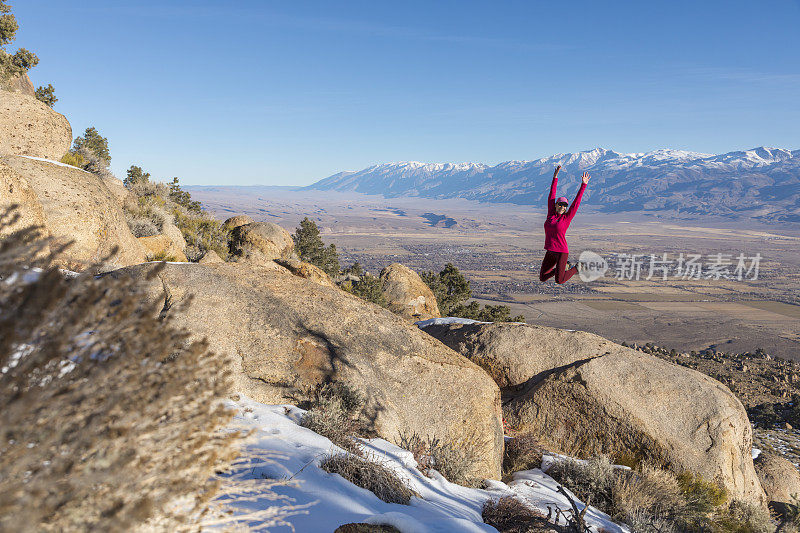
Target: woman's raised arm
x,y
577,201
551,200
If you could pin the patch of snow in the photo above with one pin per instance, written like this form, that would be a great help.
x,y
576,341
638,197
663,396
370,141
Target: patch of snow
x,y
27,275
441,507
755,452
446,321
58,163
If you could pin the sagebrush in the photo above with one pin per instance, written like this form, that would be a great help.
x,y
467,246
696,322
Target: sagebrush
x,y
368,474
110,419
453,458
334,412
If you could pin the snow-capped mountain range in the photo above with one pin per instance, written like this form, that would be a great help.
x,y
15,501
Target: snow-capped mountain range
x,y
762,182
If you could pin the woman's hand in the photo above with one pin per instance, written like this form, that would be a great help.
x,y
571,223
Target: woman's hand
x,y
556,172
584,178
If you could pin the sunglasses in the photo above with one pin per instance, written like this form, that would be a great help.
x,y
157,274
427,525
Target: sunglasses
x,y
562,204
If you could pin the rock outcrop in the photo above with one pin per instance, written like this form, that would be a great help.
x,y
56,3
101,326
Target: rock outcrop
x,y
211,258
779,478
236,221
286,334
72,206
307,271
407,294
261,242
20,84
584,395
159,247
29,127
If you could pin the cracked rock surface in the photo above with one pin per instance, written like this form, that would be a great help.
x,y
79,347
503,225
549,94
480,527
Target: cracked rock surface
x,y
286,334
583,395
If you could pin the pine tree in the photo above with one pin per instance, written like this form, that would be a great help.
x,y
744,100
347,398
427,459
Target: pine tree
x,y
134,176
22,60
311,249
95,144
47,95
368,287
452,289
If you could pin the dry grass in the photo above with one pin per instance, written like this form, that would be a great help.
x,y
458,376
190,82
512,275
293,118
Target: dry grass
x,y
334,413
523,452
591,480
110,419
370,475
509,515
455,459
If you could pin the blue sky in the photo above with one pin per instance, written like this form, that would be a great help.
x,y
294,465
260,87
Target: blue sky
x,y
285,93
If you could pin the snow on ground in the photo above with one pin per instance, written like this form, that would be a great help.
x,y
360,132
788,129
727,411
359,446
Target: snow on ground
x,y
58,163
446,321
442,507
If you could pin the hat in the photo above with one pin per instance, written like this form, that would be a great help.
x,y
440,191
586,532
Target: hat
x,y
562,199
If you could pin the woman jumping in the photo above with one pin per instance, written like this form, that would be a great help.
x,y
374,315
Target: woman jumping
x,y
555,229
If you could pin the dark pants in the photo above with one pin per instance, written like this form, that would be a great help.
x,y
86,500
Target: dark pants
x,y
555,264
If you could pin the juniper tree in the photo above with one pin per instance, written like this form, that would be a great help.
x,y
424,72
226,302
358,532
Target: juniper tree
x,y
47,95
134,176
94,144
310,248
452,289
449,286
22,60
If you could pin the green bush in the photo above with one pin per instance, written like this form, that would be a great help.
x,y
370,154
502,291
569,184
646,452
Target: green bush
x,y
47,95
368,288
135,176
76,160
17,64
452,289
309,246
93,147
201,233
161,256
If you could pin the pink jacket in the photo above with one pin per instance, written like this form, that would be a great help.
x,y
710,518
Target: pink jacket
x,y
555,226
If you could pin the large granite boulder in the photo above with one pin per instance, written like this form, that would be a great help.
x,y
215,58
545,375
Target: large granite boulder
x,y
260,242
407,294
160,247
73,206
29,127
236,221
307,271
584,395
286,334
20,84
779,478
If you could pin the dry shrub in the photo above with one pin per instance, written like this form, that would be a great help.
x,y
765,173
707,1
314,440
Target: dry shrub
x,y
146,210
370,475
334,412
453,458
591,480
648,491
749,518
509,515
161,256
109,417
523,452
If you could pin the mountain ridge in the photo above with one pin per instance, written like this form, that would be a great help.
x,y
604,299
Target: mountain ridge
x,y
762,182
